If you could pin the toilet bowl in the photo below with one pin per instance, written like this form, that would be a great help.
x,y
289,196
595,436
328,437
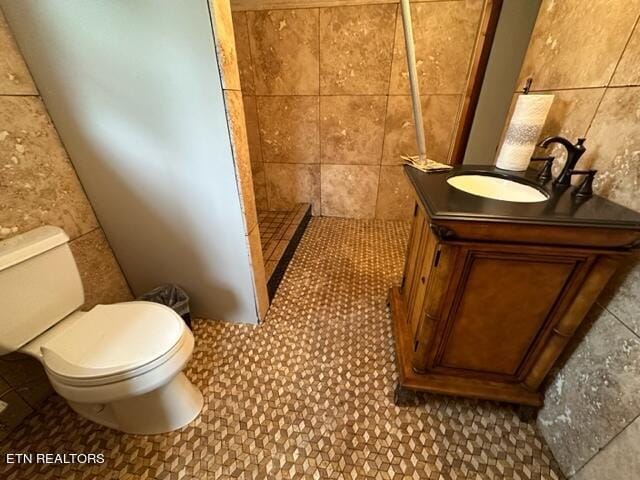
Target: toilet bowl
x,y
118,365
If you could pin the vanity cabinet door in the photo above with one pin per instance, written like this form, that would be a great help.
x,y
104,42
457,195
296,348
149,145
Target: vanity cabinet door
x,y
501,305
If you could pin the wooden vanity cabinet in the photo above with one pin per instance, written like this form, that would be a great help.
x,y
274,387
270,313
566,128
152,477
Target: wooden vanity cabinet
x,y
486,316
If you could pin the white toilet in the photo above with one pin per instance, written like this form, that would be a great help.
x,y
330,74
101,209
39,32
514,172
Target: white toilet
x,y
119,365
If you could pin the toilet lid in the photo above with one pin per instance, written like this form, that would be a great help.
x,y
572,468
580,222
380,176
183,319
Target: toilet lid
x,y
110,339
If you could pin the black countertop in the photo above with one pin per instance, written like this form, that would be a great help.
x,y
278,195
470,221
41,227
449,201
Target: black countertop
x,y
444,202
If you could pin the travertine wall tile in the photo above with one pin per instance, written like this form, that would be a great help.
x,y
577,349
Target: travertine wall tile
x,y
14,75
253,129
289,129
243,52
621,296
102,278
628,70
613,146
39,186
356,45
440,116
284,46
395,194
594,396
243,5
238,130
225,43
349,191
322,84
590,400
289,184
571,112
570,116
559,57
444,36
619,460
352,129
259,186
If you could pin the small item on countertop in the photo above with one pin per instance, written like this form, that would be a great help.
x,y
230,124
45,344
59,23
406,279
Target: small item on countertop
x,y
426,166
523,132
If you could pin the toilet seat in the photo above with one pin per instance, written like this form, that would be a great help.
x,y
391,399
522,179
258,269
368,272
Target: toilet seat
x,y
111,343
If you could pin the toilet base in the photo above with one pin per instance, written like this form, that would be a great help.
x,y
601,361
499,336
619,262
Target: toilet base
x,y
162,410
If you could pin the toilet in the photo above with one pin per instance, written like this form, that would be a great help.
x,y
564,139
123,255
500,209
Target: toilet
x,y
118,365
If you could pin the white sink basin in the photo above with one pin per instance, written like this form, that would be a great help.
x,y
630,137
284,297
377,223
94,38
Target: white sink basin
x,y
497,188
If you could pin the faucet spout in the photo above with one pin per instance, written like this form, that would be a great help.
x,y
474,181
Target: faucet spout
x,y
574,152
557,139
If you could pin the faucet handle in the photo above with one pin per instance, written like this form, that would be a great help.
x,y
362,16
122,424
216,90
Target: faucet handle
x,y
544,175
585,189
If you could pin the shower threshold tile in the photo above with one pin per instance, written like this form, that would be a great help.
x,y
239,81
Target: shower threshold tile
x,y
280,233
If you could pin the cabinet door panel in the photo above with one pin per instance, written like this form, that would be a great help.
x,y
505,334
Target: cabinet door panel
x,y
503,302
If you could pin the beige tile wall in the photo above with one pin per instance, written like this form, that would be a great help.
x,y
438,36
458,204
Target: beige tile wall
x,y
327,103
592,401
38,186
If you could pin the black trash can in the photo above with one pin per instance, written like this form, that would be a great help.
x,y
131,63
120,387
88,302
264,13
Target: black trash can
x,y
172,296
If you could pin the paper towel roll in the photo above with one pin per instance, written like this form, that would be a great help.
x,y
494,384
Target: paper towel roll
x,y
524,129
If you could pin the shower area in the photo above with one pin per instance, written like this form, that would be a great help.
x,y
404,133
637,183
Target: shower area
x,y
328,108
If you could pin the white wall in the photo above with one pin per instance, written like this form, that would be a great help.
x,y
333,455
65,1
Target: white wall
x,y
134,90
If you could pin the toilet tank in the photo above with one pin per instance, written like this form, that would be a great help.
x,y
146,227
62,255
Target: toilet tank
x,y
39,285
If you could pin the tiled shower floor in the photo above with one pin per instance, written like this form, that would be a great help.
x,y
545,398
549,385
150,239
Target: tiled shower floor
x,y
308,394
277,228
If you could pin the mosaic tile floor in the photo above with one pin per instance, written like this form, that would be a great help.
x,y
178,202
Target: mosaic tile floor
x,y
308,394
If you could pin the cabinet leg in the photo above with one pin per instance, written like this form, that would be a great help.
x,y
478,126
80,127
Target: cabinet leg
x,y
526,413
403,397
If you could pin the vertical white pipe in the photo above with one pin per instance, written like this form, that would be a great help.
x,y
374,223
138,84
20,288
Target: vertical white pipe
x,y
413,78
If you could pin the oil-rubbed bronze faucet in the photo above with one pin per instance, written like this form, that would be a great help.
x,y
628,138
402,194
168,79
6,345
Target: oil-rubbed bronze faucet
x,y
585,189
544,174
574,152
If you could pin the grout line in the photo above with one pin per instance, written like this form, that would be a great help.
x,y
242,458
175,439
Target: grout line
x,y
71,240
255,101
388,94
595,113
618,319
606,445
608,86
562,89
331,163
19,95
386,109
294,6
624,49
625,85
251,62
